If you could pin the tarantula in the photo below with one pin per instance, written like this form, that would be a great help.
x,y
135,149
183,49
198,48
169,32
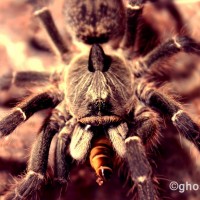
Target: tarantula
x,y
103,107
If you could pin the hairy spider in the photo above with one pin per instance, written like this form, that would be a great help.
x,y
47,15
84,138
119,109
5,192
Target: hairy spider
x,y
103,106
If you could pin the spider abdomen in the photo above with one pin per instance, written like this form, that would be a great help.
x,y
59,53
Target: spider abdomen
x,y
95,21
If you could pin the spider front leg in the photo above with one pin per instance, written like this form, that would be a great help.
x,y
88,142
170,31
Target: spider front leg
x,y
170,108
26,109
146,129
62,158
132,149
35,176
140,169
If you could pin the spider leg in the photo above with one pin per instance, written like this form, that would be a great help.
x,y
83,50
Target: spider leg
x,y
47,20
166,50
132,149
62,161
170,108
134,11
173,11
147,125
25,79
147,36
139,32
140,169
48,99
37,164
